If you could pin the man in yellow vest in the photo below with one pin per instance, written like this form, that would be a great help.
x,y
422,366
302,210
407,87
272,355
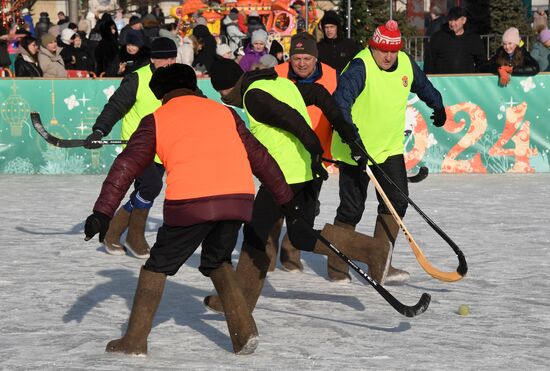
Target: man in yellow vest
x,y
372,93
276,110
304,68
132,101
210,157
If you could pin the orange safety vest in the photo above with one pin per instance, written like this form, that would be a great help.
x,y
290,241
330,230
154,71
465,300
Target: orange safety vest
x,y
319,122
200,148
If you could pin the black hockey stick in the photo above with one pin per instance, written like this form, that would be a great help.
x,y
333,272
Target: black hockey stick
x,y
462,268
420,176
65,143
416,178
406,310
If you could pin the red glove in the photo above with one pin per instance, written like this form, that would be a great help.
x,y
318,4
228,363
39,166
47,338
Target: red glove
x,y
504,73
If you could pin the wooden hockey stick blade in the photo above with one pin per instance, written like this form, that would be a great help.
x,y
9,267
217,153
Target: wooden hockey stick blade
x,y
420,176
406,310
64,143
420,257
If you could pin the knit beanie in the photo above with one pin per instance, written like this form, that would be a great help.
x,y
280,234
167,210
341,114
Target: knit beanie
x,y
163,48
330,17
135,19
303,43
46,39
268,61
134,38
511,35
387,37
66,35
275,48
544,35
175,76
222,49
259,35
225,73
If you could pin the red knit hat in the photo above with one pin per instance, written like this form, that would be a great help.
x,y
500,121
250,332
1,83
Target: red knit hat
x,y
387,37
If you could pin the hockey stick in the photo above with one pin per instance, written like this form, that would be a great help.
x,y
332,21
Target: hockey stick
x,y
416,178
406,310
65,143
420,176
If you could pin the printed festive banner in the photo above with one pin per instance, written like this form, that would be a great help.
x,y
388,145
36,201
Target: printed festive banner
x,y
490,129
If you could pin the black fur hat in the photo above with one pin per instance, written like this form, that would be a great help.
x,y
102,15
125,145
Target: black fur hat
x,y
176,76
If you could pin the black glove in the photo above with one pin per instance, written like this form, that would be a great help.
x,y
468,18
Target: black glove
x,y
317,166
291,212
439,117
96,223
358,152
96,135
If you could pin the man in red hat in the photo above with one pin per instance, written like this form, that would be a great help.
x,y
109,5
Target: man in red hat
x,y
372,93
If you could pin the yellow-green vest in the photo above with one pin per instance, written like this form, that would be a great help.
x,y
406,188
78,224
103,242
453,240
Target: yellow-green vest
x,y
379,111
291,155
146,103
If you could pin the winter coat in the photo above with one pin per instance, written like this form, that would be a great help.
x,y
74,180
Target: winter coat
x,y
337,52
251,57
25,65
52,65
541,54
234,35
206,56
107,48
186,52
449,53
528,67
133,62
140,152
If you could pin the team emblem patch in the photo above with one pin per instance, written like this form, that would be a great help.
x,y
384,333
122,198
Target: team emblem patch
x,y
405,80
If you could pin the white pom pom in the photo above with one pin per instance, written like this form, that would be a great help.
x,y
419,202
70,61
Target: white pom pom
x,y
391,25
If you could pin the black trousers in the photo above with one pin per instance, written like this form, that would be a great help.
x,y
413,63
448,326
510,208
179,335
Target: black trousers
x,y
149,182
175,245
266,213
353,184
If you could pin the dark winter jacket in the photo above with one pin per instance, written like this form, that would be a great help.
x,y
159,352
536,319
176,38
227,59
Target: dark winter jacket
x,y
524,66
25,65
107,48
352,83
77,59
133,62
206,56
139,154
448,53
337,52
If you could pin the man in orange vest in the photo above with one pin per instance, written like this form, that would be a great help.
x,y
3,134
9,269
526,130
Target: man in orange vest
x,y
303,67
198,207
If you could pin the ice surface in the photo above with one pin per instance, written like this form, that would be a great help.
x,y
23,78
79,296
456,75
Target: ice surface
x,y
63,299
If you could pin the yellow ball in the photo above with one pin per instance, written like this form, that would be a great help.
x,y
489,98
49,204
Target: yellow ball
x,y
463,310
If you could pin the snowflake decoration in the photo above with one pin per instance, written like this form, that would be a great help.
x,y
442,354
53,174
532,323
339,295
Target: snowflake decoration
x,y
528,84
109,91
71,102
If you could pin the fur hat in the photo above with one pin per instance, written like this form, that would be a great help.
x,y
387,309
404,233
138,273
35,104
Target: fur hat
x,y
225,73
303,43
259,35
134,38
511,35
387,37
544,35
163,48
330,17
46,39
175,76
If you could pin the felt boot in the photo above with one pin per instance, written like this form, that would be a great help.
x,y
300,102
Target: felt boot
x,y
272,246
337,269
290,256
241,325
251,271
118,225
146,300
135,240
357,246
387,228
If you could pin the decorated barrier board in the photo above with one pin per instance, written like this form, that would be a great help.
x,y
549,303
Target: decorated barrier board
x,y
489,129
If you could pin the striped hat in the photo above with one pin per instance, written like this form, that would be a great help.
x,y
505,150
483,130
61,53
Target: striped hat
x,y
387,37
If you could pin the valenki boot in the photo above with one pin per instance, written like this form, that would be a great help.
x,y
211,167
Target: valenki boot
x,y
146,300
272,245
251,271
374,252
241,325
387,228
135,239
337,269
290,256
118,225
